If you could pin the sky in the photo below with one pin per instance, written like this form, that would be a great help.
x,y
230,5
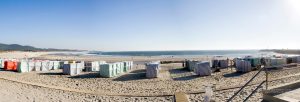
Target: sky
x,y
138,25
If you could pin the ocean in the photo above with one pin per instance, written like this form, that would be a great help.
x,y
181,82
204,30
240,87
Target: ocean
x,y
229,53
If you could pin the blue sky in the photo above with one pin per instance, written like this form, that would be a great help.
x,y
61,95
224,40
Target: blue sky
x,y
115,25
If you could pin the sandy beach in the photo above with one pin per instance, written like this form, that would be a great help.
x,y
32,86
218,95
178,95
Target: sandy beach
x,y
131,86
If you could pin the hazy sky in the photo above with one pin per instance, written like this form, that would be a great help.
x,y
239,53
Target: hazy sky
x,y
113,25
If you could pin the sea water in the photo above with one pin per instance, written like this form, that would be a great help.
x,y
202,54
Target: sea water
x,y
226,53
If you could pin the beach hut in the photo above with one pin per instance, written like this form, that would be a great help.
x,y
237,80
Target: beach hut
x,y
56,65
290,60
130,65
100,63
72,69
186,63
69,69
255,61
38,66
219,64
45,66
296,58
66,69
117,68
51,65
203,69
154,62
88,66
61,64
82,65
122,67
215,63
107,70
281,61
223,63
31,65
152,70
235,61
192,65
276,62
126,66
243,66
115,72
79,67
10,65
273,62
23,66
1,63
95,66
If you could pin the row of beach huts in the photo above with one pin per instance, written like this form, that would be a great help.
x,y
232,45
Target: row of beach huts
x,y
68,67
247,64
201,68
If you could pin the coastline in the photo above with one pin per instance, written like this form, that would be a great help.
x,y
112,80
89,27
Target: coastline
x,y
293,52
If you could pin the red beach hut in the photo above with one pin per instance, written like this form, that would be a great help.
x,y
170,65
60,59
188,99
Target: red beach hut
x,y
10,65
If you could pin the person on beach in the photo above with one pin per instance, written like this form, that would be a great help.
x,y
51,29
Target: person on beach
x,y
263,61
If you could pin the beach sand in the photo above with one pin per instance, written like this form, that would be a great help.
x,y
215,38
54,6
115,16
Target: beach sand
x,y
21,54
132,86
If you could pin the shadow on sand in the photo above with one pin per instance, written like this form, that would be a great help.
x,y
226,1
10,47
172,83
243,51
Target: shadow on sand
x,y
235,74
184,78
186,74
138,71
53,73
178,71
86,76
131,76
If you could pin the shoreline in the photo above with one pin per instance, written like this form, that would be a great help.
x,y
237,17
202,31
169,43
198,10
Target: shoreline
x,y
291,52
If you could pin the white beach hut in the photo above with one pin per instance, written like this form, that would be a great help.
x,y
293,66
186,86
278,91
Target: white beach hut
x,y
51,65
243,66
38,66
152,70
95,66
56,65
1,63
31,65
45,66
23,66
203,69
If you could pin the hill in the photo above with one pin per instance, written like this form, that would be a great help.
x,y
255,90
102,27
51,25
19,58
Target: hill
x,y
17,47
